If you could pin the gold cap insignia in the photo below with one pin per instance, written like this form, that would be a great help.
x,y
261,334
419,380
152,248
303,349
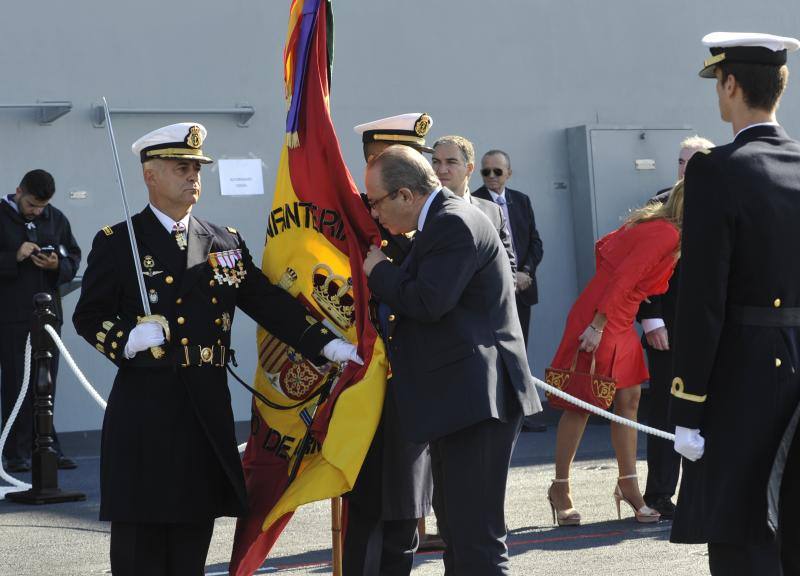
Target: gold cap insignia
x,y
194,139
148,262
422,125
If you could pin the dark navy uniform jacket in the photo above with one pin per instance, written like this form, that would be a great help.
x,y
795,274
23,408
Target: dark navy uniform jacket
x,y
168,447
737,381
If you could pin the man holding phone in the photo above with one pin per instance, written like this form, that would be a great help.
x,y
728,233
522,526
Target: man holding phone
x,y
38,253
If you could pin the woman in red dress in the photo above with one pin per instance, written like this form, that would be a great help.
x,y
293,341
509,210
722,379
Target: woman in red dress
x,y
634,261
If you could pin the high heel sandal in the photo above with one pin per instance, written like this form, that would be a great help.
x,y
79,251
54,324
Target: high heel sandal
x,y
644,515
568,517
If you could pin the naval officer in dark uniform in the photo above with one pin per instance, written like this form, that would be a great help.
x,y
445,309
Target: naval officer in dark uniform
x,y
737,333
169,462
394,487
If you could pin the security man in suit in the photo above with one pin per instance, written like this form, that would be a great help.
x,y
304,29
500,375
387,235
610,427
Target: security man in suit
x,y
169,463
394,485
496,170
657,317
737,327
460,372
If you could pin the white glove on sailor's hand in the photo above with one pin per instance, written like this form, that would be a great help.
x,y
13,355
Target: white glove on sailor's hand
x,y
689,443
144,336
339,350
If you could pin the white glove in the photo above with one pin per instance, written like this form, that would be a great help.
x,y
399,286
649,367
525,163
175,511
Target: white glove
x,y
689,443
144,336
339,350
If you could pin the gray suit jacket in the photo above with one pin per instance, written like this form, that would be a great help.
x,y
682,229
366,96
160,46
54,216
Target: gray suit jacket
x,y
455,331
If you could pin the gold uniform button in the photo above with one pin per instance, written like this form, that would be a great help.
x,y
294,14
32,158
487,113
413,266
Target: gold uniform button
x,y
112,356
391,338
114,345
119,334
179,301
219,341
777,303
212,283
777,362
214,300
392,317
218,321
169,279
184,341
181,320
384,243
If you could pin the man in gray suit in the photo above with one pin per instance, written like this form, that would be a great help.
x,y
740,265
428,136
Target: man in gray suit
x,y
459,365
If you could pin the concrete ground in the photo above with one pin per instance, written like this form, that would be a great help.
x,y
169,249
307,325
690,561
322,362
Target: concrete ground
x,y
67,539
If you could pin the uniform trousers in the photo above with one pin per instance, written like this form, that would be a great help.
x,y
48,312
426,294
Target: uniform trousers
x,y
663,463
160,549
470,470
19,444
374,545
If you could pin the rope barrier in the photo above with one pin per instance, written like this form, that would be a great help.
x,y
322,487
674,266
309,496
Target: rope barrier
x,y
604,413
19,485
16,485
68,357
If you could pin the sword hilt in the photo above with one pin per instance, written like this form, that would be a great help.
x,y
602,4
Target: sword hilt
x,y
157,351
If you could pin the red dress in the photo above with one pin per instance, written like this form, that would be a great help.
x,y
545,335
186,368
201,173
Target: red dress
x,y
632,262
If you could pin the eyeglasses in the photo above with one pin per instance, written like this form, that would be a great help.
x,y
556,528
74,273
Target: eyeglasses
x,y
373,204
486,171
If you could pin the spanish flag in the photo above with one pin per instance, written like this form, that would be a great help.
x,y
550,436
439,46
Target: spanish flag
x,y
317,234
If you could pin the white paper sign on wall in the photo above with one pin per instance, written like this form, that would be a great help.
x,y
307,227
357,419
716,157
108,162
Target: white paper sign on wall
x,y
240,177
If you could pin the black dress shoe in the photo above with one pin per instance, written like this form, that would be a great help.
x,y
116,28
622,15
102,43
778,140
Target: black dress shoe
x,y
18,466
664,506
65,463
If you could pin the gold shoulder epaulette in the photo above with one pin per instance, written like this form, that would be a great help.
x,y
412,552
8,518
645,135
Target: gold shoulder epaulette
x,y
231,230
107,230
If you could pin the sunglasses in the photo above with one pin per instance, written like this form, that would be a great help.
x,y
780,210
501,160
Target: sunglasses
x,y
485,172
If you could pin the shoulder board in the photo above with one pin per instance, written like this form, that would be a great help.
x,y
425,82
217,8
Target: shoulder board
x,y
107,230
705,151
231,230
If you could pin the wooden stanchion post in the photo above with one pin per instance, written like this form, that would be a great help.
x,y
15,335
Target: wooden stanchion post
x,y
336,534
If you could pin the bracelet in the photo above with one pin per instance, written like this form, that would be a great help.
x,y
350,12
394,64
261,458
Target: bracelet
x,y
597,330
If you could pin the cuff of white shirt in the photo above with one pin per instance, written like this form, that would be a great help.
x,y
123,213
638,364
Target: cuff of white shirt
x,y
650,324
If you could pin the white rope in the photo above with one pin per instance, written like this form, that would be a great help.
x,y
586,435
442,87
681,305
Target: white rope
x,y
16,485
604,413
68,357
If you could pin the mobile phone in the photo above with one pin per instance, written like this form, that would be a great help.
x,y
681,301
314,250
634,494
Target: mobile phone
x,y
45,250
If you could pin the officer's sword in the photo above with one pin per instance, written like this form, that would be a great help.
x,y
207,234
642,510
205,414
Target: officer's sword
x,y
157,351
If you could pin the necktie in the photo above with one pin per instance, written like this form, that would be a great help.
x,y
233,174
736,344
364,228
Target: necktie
x,y
179,233
501,201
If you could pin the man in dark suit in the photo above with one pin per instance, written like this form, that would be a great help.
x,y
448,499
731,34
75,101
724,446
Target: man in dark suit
x,y
169,463
657,319
496,170
460,370
518,210
736,391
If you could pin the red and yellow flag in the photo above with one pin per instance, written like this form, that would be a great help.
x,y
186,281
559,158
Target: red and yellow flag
x,y
317,234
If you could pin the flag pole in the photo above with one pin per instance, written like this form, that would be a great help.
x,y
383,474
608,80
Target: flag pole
x,y
336,534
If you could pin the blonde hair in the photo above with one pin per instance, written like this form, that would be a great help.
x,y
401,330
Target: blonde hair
x,y
671,210
696,143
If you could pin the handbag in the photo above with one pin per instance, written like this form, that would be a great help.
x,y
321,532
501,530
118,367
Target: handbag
x,y
587,386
